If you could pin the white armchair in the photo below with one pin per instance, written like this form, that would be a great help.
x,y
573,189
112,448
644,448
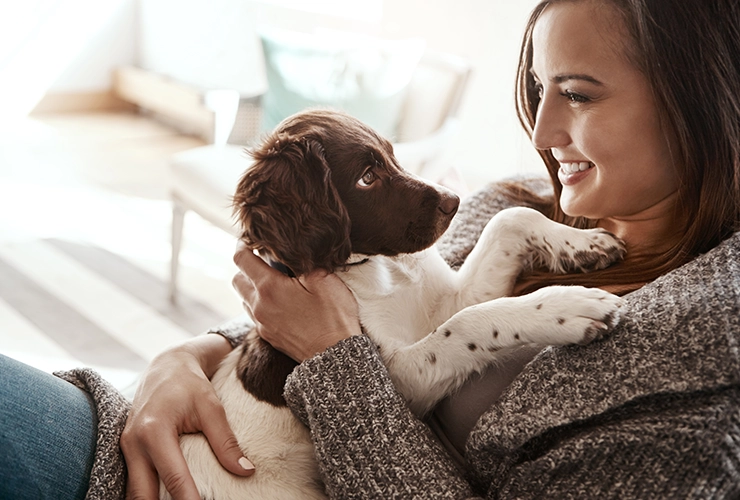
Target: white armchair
x,y
204,178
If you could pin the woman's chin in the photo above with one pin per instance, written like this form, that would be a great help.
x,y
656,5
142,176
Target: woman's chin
x,y
575,207
567,204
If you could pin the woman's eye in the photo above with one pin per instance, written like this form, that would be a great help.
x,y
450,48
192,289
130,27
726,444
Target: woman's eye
x,y
574,97
367,178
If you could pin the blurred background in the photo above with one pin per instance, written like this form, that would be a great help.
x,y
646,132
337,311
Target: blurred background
x,y
114,111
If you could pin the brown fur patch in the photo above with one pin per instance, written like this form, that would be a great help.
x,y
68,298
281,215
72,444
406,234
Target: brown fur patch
x,y
263,370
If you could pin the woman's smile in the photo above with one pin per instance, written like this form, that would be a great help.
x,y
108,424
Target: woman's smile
x,y
571,173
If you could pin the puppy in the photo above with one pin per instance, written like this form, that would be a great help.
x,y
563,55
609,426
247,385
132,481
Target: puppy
x,y
326,192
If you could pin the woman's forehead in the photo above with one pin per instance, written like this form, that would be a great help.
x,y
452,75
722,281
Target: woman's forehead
x,y
578,38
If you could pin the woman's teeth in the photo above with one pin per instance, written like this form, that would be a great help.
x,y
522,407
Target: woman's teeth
x,y
572,168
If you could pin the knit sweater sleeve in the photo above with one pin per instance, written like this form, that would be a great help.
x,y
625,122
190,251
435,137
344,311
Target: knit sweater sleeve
x,y
368,443
234,329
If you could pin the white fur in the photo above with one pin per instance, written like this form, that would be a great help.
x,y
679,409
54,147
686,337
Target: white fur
x,y
408,304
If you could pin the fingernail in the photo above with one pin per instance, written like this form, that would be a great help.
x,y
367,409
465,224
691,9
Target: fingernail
x,y
246,464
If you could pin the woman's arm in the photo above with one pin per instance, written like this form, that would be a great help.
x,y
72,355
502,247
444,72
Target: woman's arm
x,y
175,396
366,438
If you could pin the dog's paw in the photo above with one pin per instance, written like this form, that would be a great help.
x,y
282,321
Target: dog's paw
x,y
588,250
565,249
571,314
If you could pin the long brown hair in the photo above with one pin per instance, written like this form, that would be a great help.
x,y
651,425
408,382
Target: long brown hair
x,y
688,51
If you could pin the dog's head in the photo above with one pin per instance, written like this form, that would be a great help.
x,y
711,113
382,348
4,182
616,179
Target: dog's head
x,y
324,185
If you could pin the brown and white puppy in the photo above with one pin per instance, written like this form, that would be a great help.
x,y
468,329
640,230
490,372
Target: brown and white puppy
x,y
326,192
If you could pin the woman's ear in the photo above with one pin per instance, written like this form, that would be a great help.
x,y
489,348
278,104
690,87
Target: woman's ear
x,y
287,205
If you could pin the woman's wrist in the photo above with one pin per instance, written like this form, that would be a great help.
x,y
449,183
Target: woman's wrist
x,y
207,350
324,342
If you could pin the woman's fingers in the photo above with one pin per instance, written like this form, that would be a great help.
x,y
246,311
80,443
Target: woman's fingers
x,y
164,461
172,469
252,266
223,442
142,482
243,285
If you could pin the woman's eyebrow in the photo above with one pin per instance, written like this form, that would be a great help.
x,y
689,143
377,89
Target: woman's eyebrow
x,y
569,77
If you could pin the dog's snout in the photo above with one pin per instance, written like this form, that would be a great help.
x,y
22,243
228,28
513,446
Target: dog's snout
x,y
449,203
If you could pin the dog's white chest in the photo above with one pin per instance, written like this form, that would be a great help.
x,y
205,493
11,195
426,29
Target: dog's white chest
x,y
402,299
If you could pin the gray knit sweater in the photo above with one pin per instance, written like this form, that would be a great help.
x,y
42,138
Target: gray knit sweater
x,y
650,411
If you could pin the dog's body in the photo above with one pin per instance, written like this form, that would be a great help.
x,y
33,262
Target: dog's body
x,y
433,326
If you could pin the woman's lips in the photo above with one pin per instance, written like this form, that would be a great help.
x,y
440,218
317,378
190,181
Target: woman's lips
x,y
573,172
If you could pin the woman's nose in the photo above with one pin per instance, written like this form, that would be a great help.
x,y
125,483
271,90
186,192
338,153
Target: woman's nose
x,y
550,126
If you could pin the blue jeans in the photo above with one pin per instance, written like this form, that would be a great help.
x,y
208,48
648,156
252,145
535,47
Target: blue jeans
x,y
48,430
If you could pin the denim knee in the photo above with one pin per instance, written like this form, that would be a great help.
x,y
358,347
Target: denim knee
x,y
48,431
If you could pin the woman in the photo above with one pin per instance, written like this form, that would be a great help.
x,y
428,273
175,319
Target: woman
x,y
634,106
635,109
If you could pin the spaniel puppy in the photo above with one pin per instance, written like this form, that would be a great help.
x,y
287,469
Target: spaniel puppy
x,y
326,192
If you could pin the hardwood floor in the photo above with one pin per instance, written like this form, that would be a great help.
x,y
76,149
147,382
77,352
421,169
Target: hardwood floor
x,y
77,192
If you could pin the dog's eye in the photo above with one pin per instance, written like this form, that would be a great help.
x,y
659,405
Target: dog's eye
x,y
367,178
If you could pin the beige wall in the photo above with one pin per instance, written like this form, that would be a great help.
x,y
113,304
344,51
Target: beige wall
x,y
487,33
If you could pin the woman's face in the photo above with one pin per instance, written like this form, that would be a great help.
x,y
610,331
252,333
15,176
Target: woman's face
x,y
597,116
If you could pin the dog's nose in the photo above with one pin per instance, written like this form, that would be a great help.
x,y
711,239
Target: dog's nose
x,y
449,204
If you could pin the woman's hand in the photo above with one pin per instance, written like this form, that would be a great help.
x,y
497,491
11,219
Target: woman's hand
x,y
300,317
175,397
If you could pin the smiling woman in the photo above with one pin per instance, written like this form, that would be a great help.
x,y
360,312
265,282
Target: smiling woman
x,y
578,109
591,71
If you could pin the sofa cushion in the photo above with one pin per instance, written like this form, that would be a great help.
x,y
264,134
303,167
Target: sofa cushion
x,y
364,76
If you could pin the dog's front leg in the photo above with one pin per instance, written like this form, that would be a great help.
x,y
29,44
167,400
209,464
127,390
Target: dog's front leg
x,y
519,238
435,366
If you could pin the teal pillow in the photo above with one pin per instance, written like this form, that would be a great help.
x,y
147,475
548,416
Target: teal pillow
x,y
364,76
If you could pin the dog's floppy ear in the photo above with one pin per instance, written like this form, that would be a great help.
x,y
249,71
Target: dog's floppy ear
x,y
286,204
